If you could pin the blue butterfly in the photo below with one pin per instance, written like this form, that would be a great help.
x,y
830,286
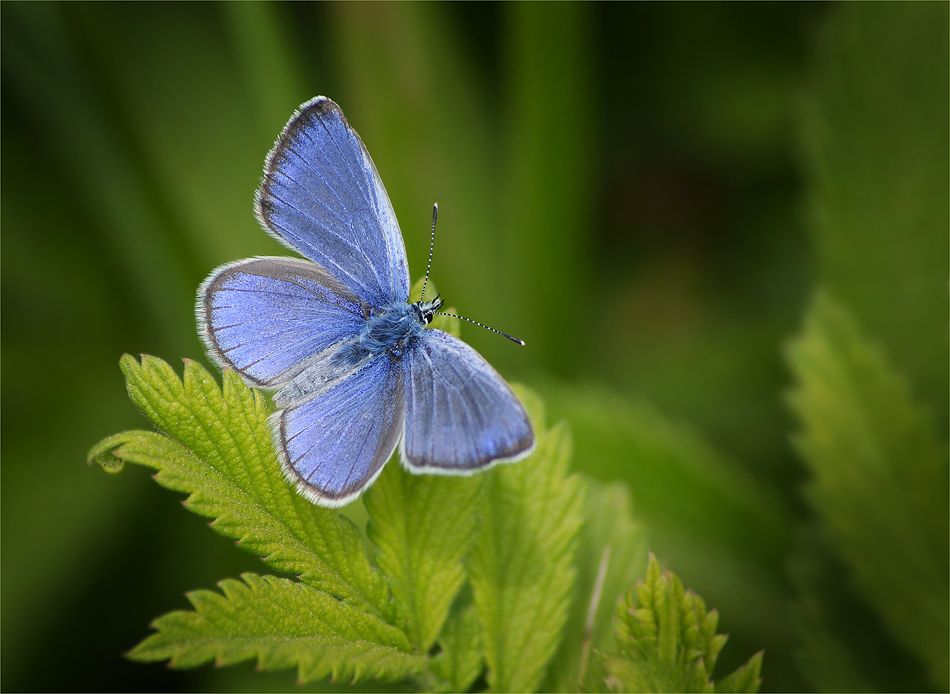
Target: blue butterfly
x,y
354,367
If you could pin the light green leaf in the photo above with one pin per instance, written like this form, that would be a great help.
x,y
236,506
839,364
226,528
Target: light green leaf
x,y
282,624
216,447
611,556
667,641
521,569
747,678
460,658
878,479
103,454
422,527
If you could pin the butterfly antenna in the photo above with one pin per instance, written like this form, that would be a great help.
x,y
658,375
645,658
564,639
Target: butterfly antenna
x,y
516,340
435,218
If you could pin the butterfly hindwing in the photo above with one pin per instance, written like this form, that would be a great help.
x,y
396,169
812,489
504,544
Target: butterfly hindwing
x,y
461,416
264,317
334,443
321,195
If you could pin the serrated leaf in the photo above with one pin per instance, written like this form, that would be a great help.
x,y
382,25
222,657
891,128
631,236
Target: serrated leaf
x,y
748,678
216,447
611,556
422,528
521,570
878,479
460,660
281,624
667,641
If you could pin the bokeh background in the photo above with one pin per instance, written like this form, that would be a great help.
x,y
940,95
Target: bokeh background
x,y
650,194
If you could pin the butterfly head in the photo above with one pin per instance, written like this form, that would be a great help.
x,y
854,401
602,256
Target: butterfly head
x,y
425,310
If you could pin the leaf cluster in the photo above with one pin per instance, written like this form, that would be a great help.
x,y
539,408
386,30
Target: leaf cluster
x,y
667,642
454,583
392,610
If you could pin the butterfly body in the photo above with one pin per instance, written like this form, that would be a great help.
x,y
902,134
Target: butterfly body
x,y
355,369
394,327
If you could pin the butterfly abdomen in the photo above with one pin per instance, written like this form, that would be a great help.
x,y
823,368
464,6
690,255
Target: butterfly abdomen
x,y
387,331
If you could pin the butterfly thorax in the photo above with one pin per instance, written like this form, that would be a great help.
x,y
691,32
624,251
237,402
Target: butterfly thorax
x,y
391,329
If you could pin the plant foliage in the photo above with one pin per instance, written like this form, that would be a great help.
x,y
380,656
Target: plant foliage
x,y
456,581
216,448
667,642
522,566
878,479
343,612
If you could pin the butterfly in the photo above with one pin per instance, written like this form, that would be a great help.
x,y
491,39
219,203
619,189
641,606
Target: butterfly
x,y
355,368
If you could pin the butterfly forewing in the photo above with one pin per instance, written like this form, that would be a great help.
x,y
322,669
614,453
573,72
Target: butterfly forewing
x,y
321,195
265,316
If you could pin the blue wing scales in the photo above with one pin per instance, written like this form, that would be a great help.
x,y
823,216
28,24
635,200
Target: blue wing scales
x,y
265,317
322,196
334,443
461,416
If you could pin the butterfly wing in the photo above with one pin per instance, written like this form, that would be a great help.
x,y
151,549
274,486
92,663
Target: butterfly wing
x,y
461,416
321,196
334,443
265,317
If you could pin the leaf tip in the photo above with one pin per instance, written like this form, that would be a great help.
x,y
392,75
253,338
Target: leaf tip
x,y
105,454
128,363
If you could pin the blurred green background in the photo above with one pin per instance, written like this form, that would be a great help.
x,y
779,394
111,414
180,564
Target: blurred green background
x,y
648,193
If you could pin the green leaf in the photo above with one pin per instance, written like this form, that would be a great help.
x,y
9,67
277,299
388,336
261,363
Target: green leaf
x,y
217,448
281,623
460,658
518,524
667,642
103,454
878,479
521,569
747,678
610,557
876,137
422,527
